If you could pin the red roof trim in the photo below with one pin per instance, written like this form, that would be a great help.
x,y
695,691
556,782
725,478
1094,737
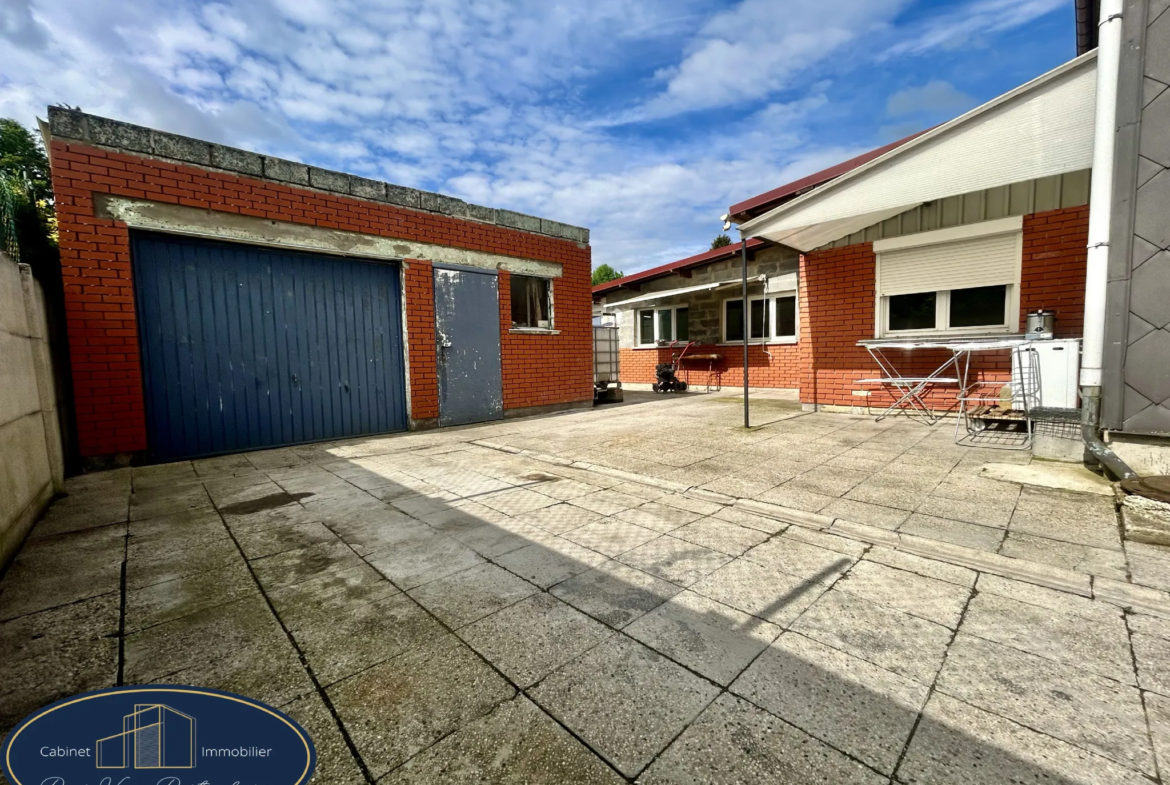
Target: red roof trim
x,y
768,200
714,255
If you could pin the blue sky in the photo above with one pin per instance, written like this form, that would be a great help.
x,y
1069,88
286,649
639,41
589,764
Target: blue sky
x,y
641,120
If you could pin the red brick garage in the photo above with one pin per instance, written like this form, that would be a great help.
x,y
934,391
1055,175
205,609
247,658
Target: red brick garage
x,y
113,179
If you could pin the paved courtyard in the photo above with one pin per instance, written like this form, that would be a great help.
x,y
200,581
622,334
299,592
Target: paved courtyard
x,y
647,592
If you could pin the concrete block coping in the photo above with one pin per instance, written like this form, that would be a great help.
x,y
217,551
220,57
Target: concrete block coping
x,y
1098,587
73,125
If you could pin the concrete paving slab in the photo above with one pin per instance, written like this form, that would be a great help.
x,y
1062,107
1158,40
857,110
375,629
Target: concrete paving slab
x,y
1152,654
460,599
174,599
419,560
751,520
302,564
615,593
515,743
607,502
661,518
733,741
1097,714
708,637
796,498
891,639
761,591
799,559
728,538
56,654
927,598
62,569
871,514
1100,644
237,647
1149,564
985,512
931,568
1071,556
546,564
559,518
969,535
822,539
343,635
1071,517
404,705
335,763
624,700
1158,712
860,708
675,560
610,536
961,744
530,639
516,501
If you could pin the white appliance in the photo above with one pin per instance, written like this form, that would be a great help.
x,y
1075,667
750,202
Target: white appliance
x,y
1058,367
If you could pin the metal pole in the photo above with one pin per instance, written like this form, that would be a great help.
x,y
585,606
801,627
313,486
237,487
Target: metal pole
x,y
747,326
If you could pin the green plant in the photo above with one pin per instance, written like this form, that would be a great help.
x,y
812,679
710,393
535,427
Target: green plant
x,y
720,241
605,274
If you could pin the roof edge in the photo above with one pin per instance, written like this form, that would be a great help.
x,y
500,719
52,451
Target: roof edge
x,y
73,125
925,138
663,270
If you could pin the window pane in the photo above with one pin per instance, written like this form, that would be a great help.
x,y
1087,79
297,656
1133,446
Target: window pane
x,y
520,301
785,317
645,327
912,311
734,320
664,331
530,301
682,324
983,306
759,318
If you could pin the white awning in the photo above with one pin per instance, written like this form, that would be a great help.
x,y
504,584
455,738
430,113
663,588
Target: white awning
x,y
703,287
1040,129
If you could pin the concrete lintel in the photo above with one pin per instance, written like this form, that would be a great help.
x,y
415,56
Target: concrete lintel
x,y
197,222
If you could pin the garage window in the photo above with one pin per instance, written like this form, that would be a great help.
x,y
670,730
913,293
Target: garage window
x,y
531,302
963,280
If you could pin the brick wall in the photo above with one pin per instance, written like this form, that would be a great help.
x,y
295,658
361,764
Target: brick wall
x,y
1053,274
420,339
95,257
838,302
542,370
781,369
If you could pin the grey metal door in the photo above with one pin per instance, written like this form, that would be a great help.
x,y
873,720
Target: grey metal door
x,y
467,341
246,347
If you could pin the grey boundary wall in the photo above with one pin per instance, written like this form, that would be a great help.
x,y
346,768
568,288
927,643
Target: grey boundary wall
x,y
73,125
32,469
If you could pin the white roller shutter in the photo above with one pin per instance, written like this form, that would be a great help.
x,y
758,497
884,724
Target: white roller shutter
x,y
962,264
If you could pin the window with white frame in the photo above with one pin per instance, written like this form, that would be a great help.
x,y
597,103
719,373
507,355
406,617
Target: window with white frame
x,y
772,318
959,281
663,325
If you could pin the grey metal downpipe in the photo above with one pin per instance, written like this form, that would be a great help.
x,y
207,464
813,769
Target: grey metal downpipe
x,y
1095,449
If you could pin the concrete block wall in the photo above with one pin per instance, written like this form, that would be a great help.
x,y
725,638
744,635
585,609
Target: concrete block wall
x,y
122,160
32,467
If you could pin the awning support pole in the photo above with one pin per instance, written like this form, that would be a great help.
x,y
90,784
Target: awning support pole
x,y
746,331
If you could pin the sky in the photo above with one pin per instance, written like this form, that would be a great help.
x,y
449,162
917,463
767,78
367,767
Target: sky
x,y
641,120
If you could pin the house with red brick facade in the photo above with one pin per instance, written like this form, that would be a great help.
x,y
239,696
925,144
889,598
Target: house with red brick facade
x,y
958,231
219,300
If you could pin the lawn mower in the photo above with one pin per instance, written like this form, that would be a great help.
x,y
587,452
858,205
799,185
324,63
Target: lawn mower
x,y
667,373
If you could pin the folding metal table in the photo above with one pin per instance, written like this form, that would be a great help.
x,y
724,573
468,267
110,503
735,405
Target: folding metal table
x,y
911,389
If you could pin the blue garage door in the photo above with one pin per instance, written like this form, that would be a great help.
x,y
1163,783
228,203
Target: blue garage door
x,y
246,347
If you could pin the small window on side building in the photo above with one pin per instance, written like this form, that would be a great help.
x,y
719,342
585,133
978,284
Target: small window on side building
x,y
531,302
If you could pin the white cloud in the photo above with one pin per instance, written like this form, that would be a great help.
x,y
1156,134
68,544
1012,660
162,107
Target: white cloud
x,y
492,100
933,97
970,21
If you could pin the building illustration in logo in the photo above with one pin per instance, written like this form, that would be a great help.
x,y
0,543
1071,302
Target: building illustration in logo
x,y
153,737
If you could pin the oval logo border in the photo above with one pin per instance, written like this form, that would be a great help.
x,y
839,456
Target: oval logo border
x,y
301,733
